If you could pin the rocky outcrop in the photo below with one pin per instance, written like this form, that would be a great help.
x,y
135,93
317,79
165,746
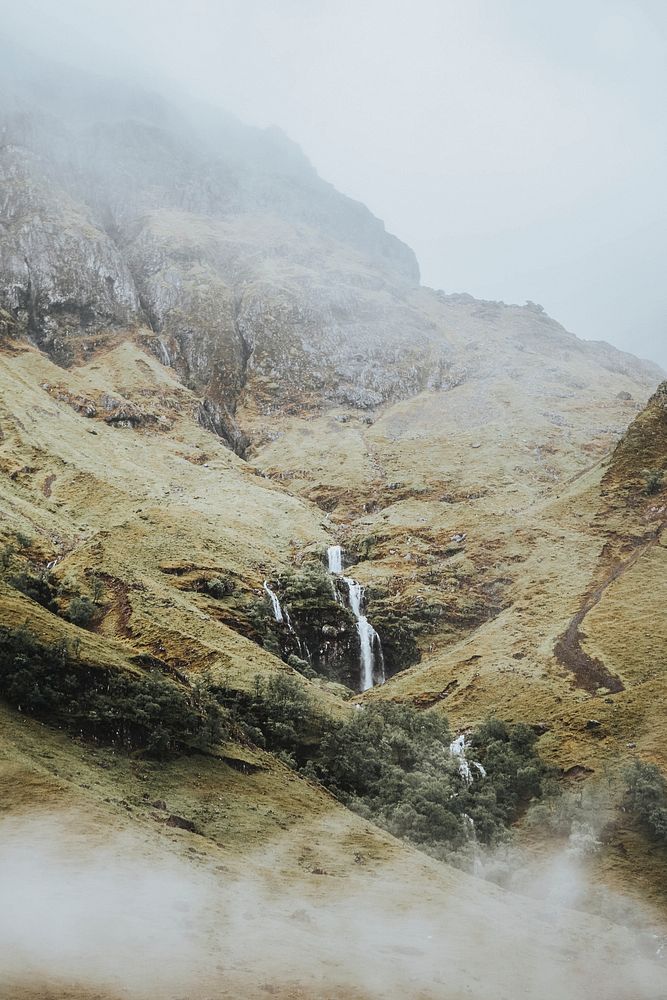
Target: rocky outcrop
x,y
218,246
638,466
61,276
119,211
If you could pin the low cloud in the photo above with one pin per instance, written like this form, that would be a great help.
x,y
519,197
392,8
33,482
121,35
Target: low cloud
x,y
130,916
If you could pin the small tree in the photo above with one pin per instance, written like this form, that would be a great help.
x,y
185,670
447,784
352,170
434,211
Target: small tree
x,y
81,611
653,481
646,798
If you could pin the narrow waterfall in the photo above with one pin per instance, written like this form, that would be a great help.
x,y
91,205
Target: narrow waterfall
x,y
469,826
275,603
457,748
282,615
300,645
335,559
371,660
369,640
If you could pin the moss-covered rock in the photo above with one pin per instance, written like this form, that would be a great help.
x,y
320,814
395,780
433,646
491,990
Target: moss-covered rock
x,y
325,626
397,634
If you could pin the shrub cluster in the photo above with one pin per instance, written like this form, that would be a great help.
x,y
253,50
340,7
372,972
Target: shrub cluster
x,y
654,480
309,584
36,587
81,610
391,763
143,711
646,798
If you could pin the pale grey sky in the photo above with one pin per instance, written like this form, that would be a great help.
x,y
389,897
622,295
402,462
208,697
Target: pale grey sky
x,y
519,146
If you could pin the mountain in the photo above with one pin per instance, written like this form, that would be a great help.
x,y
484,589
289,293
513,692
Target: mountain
x,y
213,368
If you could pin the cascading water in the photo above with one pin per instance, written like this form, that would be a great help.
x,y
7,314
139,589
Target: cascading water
x,y
469,826
275,603
282,615
369,640
335,559
371,660
457,748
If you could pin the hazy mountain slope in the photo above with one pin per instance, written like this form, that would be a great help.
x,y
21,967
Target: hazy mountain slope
x,y
150,510
578,649
251,272
173,284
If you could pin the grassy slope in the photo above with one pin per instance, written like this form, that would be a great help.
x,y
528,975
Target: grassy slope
x,y
128,503
132,504
321,876
517,458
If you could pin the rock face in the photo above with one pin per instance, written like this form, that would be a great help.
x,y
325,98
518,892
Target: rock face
x,y
235,263
638,465
61,275
219,239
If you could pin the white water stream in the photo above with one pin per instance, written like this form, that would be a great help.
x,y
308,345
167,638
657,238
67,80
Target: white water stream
x,y
282,615
275,603
457,748
371,660
335,559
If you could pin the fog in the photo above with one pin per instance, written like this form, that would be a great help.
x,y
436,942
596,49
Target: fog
x,y
518,148
90,910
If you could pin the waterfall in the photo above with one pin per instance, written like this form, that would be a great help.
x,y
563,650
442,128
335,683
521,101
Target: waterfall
x,y
283,616
335,559
290,628
369,640
275,603
457,748
371,660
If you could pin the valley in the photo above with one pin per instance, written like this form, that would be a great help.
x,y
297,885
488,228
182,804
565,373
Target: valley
x,y
241,446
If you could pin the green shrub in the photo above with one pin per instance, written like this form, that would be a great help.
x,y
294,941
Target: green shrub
x,y
81,611
391,763
277,715
646,798
218,587
36,587
145,711
303,666
311,584
653,481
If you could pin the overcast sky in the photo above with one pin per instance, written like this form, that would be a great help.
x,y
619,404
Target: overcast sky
x,y
519,146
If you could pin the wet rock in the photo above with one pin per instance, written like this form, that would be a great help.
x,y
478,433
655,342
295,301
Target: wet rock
x,y
129,415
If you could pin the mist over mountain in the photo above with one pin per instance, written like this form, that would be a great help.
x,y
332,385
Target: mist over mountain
x,y
523,159
331,605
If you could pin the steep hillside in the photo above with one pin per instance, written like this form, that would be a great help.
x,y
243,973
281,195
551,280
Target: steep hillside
x,y
213,369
